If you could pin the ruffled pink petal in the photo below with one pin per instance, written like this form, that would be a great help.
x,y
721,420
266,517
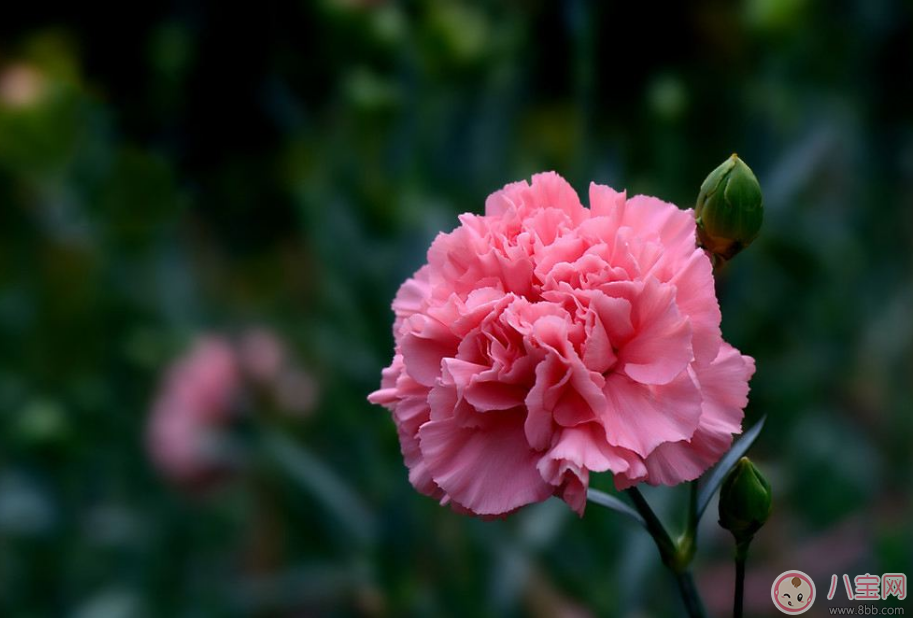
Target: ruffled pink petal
x,y
412,412
459,372
387,394
574,489
462,316
419,475
607,202
584,446
552,191
552,377
598,354
695,297
615,315
640,417
424,345
724,384
493,395
412,297
651,217
577,452
506,200
489,471
676,462
661,348
563,252
408,403
565,388
446,403
630,478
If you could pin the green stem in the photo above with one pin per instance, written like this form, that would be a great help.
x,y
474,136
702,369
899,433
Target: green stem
x,y
687,542
654,527
741,557
676,556
690,595
691,526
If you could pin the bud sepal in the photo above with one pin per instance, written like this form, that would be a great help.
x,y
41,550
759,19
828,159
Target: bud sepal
x,y
729,209
745,501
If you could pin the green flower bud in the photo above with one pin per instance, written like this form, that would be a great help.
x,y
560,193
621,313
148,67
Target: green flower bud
x,y
745,500
729,209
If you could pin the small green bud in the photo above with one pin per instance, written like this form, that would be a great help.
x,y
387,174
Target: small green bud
x,y
745,500
729,209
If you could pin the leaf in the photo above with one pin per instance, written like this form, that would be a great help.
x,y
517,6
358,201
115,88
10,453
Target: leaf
x,y
319,480
611,502
718,474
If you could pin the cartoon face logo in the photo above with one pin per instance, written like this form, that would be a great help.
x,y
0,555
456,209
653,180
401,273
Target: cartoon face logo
x,y
793,592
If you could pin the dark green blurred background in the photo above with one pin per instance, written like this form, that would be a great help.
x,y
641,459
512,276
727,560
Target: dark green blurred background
x,y
183,167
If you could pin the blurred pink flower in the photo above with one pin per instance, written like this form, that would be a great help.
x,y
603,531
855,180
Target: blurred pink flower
x,y
195,401
202,393
262,354
545,340
266,360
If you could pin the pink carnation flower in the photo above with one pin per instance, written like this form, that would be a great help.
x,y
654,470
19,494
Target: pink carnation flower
x,y
195,403
203,393
544,341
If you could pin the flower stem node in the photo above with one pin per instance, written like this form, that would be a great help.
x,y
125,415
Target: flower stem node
x,y
729,209
745,501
